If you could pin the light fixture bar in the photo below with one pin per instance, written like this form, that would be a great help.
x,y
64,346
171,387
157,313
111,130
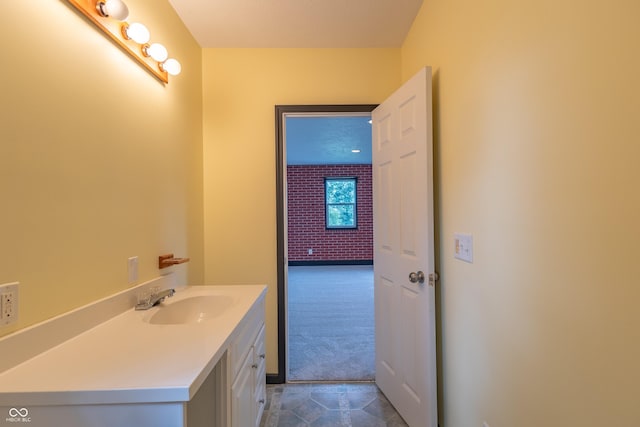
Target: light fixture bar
x,y
113,28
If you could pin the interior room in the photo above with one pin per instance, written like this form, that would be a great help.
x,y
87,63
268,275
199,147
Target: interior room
x,y
329,280
535,153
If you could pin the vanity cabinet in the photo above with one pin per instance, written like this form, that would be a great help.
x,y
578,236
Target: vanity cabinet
x,y
182,374
248,389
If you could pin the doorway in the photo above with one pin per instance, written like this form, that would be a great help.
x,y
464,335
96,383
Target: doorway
x,y
324,318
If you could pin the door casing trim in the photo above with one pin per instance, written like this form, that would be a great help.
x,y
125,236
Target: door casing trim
x,y
281,215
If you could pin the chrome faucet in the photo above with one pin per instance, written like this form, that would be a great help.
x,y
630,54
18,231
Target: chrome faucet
x,y
154,299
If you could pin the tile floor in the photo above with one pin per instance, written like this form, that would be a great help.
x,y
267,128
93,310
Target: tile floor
x,y
324,405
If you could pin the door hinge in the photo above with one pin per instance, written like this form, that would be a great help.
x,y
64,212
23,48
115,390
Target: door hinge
x,y
433,277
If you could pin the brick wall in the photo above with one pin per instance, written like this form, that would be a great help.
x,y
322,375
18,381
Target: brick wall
x,y
306,226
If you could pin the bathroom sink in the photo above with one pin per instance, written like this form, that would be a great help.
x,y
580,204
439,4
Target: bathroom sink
x,y
190,310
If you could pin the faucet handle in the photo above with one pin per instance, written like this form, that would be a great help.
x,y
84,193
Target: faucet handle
x,y
143,297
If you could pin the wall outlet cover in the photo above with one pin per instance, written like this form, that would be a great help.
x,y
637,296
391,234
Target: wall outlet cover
x,y
9,303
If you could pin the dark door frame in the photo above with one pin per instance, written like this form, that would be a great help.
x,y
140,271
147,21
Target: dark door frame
x,y
280,111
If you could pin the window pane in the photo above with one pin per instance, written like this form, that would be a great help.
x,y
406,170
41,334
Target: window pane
x,y
340,196
341,191
340,216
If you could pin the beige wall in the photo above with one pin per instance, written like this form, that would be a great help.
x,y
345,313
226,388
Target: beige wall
x,y
536,131
99,161
241,88
536,140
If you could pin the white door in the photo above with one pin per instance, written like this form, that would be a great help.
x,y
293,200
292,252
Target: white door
x,y
404,250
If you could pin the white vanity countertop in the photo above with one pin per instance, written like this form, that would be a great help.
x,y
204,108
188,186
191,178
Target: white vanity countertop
x,y
128,360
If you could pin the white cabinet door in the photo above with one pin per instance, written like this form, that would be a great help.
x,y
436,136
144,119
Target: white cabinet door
x,y
242,403
260,377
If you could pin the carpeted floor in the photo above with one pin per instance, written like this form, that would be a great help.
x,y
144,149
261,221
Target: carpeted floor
x,y
331,323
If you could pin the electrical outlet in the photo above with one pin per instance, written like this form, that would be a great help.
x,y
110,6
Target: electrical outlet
x,y
310,251
8,303
485,424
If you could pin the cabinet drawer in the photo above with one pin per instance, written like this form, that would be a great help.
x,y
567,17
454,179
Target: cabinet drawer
x,y
259,354
261,401
261,385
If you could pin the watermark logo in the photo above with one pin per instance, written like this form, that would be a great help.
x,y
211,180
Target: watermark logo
x,y
15,412
18,415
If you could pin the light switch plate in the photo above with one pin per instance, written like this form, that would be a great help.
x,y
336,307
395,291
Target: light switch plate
x,y
463,247
132,269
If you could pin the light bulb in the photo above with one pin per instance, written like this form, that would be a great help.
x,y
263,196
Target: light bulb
x,y
136,32
171,66
113,8
156,51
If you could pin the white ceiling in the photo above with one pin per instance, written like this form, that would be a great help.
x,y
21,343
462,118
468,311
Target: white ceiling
x,y
298,23
305,24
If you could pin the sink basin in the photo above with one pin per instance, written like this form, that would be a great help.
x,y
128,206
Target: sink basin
x,y
191,310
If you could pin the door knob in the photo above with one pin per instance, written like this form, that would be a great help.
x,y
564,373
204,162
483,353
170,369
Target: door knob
x,y
416,277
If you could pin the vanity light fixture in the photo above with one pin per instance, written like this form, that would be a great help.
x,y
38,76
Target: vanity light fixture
x,y
113,8
156,51
109,16
171,66
136,32
355,151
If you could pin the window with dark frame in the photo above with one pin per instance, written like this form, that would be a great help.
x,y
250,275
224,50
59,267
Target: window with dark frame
x,y
340,202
